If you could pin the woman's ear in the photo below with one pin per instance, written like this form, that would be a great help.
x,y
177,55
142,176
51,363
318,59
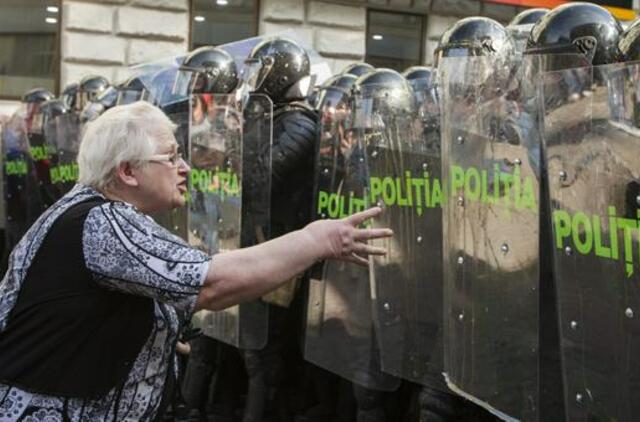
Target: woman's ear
x,y
126,174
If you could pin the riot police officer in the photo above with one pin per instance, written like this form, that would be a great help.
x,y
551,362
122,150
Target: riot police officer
x,y
204,72
22,197
284,76
569,36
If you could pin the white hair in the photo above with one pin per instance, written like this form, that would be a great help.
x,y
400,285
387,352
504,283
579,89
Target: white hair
x,y
128,133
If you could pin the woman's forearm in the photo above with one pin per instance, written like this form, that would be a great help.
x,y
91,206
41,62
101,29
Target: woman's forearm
x,y
247,274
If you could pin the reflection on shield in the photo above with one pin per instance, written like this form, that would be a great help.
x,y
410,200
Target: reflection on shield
x,y
230,155
592,142
340,332
64,148
491,152
177,219
403,155
21,193
41,157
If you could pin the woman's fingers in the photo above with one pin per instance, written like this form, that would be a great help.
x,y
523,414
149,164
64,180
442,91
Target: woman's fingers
x,y
366,234
356,259
360,217
365,249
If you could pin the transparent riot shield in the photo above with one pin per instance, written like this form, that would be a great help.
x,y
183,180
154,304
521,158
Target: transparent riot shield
x,y
65,146
491,159
229,202
22,193
404,166
592,141
177,219
520,34
40,155
340,331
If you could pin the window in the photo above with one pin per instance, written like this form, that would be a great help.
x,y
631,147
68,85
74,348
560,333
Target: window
x,y
29,46
215,22
394,40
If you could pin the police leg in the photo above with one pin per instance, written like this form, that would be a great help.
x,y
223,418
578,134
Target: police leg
x,y
265,368
200,368
370,404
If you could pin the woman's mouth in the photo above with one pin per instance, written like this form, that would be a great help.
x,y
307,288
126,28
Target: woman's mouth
x,y
182,187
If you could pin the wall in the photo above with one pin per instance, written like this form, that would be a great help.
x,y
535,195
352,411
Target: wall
x,y
106,37
336,31
337,28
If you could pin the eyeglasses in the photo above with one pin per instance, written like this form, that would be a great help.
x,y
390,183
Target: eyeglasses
x,y
173,158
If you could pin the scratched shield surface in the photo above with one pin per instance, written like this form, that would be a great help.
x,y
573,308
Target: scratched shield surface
x,y
491,168
23,203
229,208
64,147
340,332
592,142
403,157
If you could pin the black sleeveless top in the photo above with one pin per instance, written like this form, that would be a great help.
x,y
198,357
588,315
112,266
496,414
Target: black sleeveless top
x,y
67,336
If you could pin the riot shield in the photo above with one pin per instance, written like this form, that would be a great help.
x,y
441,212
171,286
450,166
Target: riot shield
x,y
491,159
340,332
40,155
177,219
592,137
21,194
229,198
520,34
64,147
404,165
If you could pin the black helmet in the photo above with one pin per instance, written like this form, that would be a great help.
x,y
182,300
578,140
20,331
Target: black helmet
x,y
629,44
422,80
529,16
521,25
358,69
475,36
579,28
335,91
419,76
90,87
285,69
50,110
132,90
53,108
389,91
37,95
206,70
70,95
103,102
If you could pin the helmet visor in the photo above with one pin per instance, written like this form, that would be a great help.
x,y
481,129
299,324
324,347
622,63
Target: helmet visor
x,y
185,82
128,96
255,72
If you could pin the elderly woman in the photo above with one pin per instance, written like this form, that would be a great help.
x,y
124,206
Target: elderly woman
x,y
89,304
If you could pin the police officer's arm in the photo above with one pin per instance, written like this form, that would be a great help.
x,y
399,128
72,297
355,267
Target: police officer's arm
x,y
247,274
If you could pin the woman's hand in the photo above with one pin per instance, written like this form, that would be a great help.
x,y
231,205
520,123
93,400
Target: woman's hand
x,y
343,240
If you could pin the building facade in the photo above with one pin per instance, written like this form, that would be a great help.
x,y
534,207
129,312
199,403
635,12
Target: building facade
x,y
109,37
